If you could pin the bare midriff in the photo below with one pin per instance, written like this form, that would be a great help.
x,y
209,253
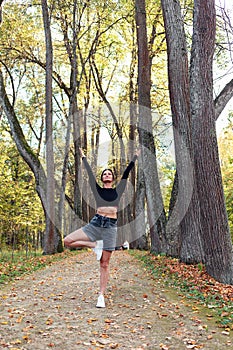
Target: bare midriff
x,y
110,212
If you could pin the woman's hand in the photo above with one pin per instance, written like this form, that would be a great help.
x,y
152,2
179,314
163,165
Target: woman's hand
x,y
138,152
81,152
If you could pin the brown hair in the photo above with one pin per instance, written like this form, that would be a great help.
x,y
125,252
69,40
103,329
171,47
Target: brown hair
x,y
101,177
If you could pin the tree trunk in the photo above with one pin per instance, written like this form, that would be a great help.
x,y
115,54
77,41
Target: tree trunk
x,y
215,234
49,242
61,204
185,217
137,207
156,213
76,120
139,236
173,229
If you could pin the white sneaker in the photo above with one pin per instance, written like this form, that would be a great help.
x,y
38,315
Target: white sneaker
x,y
98,249
125,245
100,301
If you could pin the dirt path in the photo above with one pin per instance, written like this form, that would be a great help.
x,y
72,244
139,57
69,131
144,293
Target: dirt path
x,y
55,309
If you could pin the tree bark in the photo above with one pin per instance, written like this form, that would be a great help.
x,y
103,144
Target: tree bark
x,y
139,236
215,234
223,98
173,229
76,114
1,2
184,219
50,234
156,213
61,204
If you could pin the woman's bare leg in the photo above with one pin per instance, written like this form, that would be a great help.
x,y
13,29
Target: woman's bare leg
x,y
104,270
78,239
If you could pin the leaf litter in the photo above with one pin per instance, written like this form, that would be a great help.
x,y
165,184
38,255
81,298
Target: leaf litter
x,y
54,308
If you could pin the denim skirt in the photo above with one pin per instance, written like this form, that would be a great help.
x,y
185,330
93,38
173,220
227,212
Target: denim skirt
x,y
102,228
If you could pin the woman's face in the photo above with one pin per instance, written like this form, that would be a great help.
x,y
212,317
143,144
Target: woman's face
x,y
107,176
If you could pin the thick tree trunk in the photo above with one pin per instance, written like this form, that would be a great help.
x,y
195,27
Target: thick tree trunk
x,y
215,234
156,213
49,241
173,229
139,238
185,217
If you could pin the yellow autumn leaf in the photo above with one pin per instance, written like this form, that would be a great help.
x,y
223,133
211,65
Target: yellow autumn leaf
x,y
19,320
26,337
49,321
195,308
15,342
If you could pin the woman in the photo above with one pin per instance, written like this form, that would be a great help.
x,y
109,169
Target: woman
x,y
100,234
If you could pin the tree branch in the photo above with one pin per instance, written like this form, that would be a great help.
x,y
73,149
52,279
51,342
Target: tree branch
x,y
223,98
1,1
23,147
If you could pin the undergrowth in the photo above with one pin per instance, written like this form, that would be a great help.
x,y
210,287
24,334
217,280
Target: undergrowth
x,y
193,283
13,267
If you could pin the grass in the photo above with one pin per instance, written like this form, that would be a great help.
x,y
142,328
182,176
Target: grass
x,y
194,284
13,266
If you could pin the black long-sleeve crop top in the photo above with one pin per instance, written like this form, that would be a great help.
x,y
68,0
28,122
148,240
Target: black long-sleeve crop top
x,y
108,197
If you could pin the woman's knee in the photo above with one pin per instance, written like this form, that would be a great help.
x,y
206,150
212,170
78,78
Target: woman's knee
x,y
71,238
75,236
67,241
104,262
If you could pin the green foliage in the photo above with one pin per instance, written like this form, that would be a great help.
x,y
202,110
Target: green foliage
x,y
26,32
167,174
20,208
20,264
226,160
223,36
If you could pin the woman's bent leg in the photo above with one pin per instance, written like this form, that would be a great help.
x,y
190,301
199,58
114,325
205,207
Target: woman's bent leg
x,y
77,239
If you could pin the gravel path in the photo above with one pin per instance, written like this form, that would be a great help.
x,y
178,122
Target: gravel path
x,y
54,308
